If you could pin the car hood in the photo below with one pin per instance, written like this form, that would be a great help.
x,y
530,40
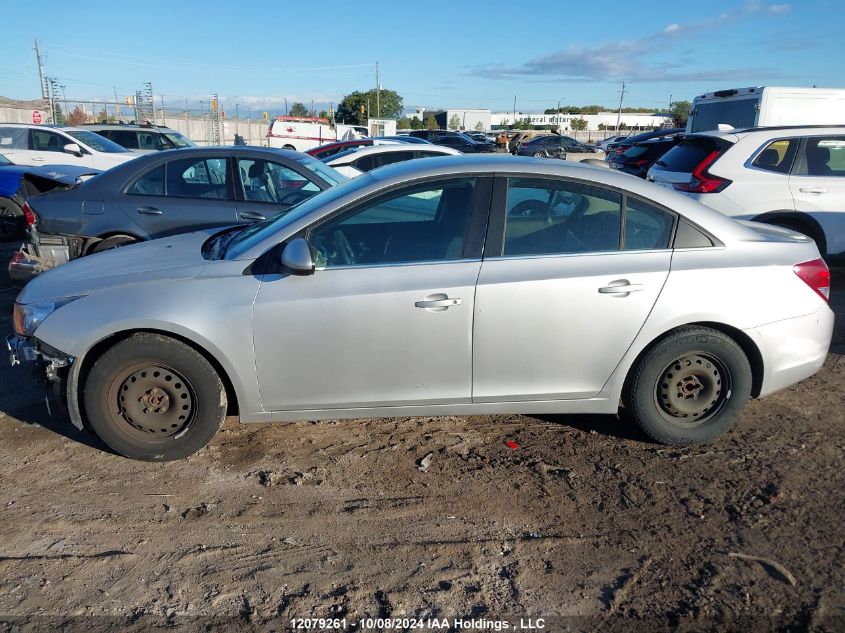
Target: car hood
x,y
165,259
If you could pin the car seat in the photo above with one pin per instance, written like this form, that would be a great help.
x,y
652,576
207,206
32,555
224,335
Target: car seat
x,y
817,160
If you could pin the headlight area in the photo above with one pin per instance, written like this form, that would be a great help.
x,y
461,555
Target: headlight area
x,y
27,317
47,363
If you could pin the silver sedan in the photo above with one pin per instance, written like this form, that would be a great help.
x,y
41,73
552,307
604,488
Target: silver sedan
x,y
461,285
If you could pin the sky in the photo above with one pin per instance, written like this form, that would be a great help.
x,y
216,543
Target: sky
x,y
459,54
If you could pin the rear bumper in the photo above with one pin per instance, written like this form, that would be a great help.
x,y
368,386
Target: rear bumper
x,y
41,253
793,349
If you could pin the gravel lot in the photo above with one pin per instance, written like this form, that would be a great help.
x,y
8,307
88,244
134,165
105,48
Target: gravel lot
x,y
585,523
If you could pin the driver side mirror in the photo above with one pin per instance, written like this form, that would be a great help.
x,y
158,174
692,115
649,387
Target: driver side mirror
x,y
73,148
296,257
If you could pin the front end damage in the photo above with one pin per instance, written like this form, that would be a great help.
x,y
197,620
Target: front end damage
x,y
51,367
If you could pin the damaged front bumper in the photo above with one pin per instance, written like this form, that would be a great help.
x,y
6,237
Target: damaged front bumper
x,y
50,366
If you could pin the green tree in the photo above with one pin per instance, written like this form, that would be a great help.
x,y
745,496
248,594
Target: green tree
x,y
578,124
430,122
680,112
58,115
454,122
323,114
403,124
416,124
524,124
479,126
298,109
353,108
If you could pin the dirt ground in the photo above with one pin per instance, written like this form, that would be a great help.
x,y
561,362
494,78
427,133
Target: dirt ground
x,y
584,522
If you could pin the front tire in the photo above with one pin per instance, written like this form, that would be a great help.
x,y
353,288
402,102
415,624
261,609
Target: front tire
x,y
539,154
690,387
154,398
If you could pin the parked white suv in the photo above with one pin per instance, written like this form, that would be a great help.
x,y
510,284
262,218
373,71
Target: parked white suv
x,y
788,176
25,144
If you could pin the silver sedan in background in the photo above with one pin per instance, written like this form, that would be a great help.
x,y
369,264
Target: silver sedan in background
x,y
449,286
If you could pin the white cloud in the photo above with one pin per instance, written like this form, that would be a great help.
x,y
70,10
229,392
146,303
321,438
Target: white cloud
x,y
672,28
779,8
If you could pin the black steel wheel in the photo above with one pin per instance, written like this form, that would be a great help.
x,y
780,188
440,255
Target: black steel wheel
x,y
154,398
689,387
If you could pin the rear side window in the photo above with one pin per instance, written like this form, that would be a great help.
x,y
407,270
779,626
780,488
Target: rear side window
x,y
192,178
125,138
684,158
389,158
646,226
13,138
150,184
777,156
548,217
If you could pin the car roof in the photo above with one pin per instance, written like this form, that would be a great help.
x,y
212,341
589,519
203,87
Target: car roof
x,y
128,126
773,131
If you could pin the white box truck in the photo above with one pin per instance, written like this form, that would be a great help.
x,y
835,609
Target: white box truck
x,y
766,106
304,133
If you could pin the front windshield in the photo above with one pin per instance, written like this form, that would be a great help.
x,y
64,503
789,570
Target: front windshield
x,y
260,231
97,142
346,152
178,140
330,175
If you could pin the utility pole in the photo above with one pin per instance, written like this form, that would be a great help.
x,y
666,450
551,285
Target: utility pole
x,y
378,93
116,104
514,110
621,98
45,92
286,106
163,120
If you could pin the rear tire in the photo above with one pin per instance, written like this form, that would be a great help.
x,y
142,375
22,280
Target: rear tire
x,y
539,154
115,241
154,398
12,220
690,387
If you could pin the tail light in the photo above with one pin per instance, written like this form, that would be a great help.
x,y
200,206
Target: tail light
x,y
641,163
29,214
701,181
815,274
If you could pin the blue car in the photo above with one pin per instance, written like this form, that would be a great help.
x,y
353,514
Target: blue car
x,y
18,182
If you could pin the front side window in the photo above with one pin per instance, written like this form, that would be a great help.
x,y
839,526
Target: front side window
x,y
547,217
150,184
426,223
823,156
46,141
777,156
266,181
197,178
148,140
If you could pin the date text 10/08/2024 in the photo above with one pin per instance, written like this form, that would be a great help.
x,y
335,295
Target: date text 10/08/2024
x,y
425,624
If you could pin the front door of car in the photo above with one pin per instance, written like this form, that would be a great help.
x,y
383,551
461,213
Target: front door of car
x,y
386,319
46,147
561,296
181,195
818,187
267,188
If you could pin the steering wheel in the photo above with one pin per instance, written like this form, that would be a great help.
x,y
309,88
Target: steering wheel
x,y
531,208
344,248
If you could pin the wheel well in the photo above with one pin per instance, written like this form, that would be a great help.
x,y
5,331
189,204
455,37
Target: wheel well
x,y
801,222
100,348
755,358
91,242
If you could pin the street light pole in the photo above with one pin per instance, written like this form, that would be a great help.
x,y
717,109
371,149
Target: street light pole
x,y
559,123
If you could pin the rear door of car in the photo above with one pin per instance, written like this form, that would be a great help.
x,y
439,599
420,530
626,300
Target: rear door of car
x,y
818,186
265,188
563,291
181,195
14,144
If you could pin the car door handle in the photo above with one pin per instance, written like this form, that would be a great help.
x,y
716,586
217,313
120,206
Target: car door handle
x,y
251,215
812,190
438,302
620,287
149,210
